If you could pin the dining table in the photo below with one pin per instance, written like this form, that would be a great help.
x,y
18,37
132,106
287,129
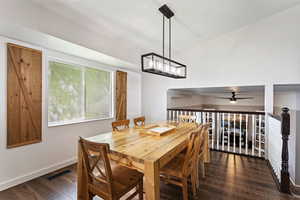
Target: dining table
x,y
147,153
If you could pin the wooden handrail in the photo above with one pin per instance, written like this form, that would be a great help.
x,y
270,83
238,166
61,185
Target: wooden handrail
x,y
278,117
285,131
217,111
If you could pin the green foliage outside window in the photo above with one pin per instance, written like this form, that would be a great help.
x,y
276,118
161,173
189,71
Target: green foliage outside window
x,y
78,93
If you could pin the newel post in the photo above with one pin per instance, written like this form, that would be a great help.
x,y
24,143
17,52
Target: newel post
x,y
285,131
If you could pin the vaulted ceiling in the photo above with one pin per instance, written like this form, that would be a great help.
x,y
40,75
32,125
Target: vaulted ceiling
x,y
139,22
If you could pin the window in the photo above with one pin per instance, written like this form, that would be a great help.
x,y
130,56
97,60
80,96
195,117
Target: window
x,y
78,93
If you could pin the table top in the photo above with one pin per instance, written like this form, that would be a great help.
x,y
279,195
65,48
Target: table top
x,y
136,144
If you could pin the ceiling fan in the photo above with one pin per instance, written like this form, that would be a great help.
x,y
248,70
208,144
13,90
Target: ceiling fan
x,y
233,99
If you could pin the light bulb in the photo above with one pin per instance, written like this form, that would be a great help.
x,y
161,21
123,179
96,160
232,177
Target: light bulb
x,y
178,71
233,101
151,63
167,68
155,64
160,66
173,70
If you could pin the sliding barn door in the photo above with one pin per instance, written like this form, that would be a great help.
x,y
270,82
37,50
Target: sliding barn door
x,y
121,95
24,96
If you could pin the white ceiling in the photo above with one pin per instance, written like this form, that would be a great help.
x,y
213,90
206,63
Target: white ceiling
x,y
139,22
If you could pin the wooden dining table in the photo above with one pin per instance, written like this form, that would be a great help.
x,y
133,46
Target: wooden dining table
x,y
134,148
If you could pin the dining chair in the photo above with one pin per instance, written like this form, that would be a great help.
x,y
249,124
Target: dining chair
x,y
120,125
202,154
107,180
139,121
187,118
182,167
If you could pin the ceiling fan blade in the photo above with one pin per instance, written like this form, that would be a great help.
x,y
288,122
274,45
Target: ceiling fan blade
x,y
244,98
223,97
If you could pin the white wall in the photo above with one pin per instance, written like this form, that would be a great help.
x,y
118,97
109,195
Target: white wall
x,y
275,145
285,99
264,53
298,141
59,144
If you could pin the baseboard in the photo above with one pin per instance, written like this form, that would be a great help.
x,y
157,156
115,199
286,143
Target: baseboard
x,y
295,189
22,179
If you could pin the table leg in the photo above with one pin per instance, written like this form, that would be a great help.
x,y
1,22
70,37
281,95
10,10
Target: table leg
x,y
152,180
82,179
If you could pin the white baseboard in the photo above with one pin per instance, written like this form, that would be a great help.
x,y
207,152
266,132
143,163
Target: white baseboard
x,y
293,182
27,177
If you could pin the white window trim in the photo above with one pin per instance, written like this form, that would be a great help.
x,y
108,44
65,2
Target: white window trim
x,y
82,66
77,121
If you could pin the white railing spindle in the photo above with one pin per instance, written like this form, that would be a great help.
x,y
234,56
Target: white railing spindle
x,y
213,129
234,144
253,134
246,140
228,133
259,136
218,129
223,130
240,133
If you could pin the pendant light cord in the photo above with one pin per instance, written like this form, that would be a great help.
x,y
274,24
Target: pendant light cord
x,y
163,37
170,38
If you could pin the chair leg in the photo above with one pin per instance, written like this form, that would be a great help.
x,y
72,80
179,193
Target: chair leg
x,y
185,189
140,190
197,174
203,169
193,180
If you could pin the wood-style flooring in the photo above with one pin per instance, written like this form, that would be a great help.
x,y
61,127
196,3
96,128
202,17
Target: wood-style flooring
x,y
228,176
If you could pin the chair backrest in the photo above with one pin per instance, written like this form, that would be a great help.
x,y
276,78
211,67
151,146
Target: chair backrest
x,y
139,121
187,118
195,142
97,163
205,139
119,125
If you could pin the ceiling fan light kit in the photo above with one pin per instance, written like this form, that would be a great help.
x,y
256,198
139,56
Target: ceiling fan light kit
x,y
233,101
161,65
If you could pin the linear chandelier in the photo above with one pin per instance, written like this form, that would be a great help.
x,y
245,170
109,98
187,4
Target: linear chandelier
x,y
161,65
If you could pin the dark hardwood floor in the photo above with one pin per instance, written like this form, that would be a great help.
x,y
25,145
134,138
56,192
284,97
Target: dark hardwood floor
x,y
228,176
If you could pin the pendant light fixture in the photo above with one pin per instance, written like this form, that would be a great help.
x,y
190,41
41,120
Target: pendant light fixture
x,y
161,65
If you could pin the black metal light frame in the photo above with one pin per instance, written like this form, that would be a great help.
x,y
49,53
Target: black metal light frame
x,y
163,73
172,64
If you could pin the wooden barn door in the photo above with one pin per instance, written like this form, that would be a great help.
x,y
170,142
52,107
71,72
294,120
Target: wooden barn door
x,y
24,96
121,95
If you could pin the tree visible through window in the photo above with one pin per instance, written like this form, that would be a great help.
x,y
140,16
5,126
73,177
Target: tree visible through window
x,y
78,93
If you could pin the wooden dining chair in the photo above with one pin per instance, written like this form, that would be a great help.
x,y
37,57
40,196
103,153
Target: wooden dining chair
x,y
120,125
187,118
182,167
107,181
139,121
204,150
